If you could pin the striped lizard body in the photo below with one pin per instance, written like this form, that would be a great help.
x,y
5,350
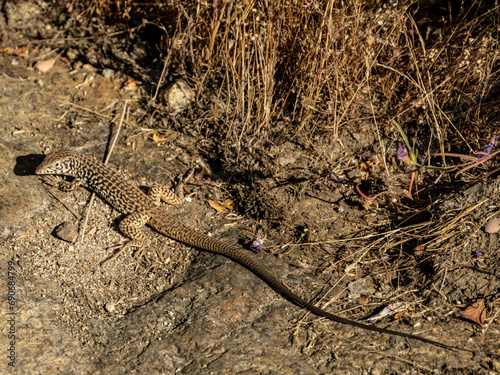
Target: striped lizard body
x,y
142,209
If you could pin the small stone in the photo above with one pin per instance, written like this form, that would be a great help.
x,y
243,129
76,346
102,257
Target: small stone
x,y
178,96
285,160
88,67
492,226
66,231
110,307
108,73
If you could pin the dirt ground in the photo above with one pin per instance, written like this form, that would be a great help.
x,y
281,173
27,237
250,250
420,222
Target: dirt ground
x,y
178,310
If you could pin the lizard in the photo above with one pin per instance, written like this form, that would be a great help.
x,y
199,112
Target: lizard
x,y
141,209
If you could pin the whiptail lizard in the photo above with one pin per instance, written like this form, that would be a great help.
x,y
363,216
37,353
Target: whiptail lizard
x,y
142,209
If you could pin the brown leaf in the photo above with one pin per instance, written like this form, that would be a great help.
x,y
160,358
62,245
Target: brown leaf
x,y
158,138
7,50
419,250
216,205
46,65
130,85
476,312
492,226
23,51
91,232
365,165
228,204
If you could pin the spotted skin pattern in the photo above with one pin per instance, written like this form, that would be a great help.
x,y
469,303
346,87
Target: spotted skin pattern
x,y
142,209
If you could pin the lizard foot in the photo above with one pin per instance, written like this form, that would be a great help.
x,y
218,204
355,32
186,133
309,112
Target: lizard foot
x,y
121,249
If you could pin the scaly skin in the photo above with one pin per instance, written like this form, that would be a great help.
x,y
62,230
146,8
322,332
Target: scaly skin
x,y
143,209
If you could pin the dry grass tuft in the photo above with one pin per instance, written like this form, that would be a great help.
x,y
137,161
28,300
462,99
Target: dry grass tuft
x,y
327,67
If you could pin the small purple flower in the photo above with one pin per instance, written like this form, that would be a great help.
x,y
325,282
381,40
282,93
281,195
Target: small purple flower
x,y
332,177
307,4
489,147
477,253
258,244
402,153
384,312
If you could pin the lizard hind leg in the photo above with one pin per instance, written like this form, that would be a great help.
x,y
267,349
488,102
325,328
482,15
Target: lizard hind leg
x,y
160,193
131,226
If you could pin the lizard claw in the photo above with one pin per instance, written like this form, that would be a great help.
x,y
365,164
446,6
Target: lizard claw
x,y
51,180
122,247
60,183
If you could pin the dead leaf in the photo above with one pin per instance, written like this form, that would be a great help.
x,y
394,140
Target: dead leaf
x,y
228,204
476,312
216,205
364,166
91,232
46,65
492,226
419,250
164,136
130,85
158,138
23,51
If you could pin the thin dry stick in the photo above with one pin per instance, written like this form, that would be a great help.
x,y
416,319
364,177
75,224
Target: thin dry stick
x,y
95,112
448,226
426,93
113,142
373,244
112,146
76,214
368,236
162,76
491,321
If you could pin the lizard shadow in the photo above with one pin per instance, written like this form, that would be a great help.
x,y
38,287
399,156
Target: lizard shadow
x,y
26,164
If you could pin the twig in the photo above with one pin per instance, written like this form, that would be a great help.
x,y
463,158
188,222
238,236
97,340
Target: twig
x,y
76,214
491,321
113,142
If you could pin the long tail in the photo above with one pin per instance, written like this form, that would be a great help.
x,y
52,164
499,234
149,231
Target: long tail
x,y
177,230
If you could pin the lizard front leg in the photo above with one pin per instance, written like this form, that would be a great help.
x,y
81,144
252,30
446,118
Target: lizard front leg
x,y
62,185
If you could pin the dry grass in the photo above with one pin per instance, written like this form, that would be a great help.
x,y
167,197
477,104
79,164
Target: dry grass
x,y
269,58
330,67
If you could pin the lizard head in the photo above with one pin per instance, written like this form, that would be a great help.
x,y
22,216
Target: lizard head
x,y
59,162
